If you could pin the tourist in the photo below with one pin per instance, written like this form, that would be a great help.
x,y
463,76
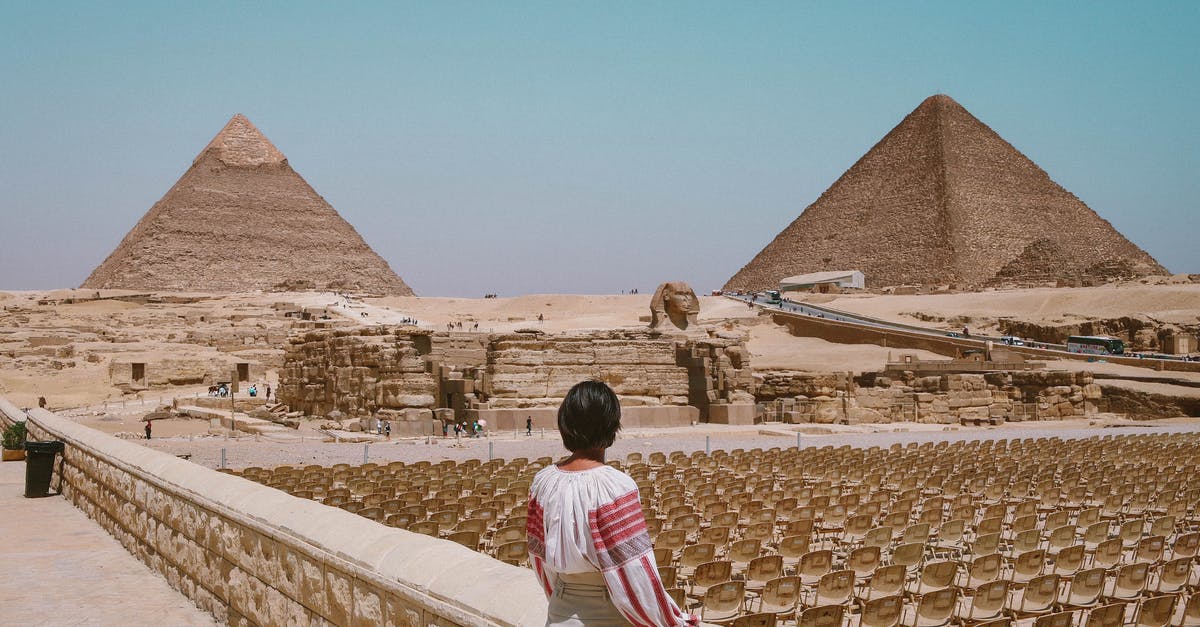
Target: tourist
x,y
446,429
529,425
253,391
387,429
147,429
588,543
268,391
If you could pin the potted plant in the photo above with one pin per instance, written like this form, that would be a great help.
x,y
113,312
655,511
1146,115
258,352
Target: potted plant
x,y
14,442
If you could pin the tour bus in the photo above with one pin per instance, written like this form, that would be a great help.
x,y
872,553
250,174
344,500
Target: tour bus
x,y
773,297
1095,345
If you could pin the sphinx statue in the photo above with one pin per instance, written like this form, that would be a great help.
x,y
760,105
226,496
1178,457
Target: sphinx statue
x,y
674,303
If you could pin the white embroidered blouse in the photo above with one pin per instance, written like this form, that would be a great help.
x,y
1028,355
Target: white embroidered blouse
x,y
591,520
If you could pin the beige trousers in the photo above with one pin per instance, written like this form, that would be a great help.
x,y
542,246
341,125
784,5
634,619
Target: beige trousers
x,y
581,600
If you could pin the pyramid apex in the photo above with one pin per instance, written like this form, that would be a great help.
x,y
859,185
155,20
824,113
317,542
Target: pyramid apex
x,y
241,144
938,100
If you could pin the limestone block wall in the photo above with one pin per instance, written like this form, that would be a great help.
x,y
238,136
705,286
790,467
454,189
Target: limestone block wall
x,y
386,372
525,369
358,371
940,399
252,555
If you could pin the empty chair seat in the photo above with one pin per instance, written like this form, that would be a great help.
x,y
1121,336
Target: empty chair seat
x,y
722,602
1155,611
1129,582
780,596
883,611
1036,598
987,603
1085,588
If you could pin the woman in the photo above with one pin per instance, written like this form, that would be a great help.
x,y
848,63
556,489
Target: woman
x,y
587,537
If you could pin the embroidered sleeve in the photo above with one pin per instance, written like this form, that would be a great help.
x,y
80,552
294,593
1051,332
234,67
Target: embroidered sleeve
x,y
626,557
536,539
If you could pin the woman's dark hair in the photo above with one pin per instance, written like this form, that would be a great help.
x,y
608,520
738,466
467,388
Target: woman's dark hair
x,y
589,417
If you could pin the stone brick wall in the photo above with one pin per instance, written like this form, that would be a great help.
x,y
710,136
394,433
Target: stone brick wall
x,y
357,371
944,399
395,371
252,555
526,369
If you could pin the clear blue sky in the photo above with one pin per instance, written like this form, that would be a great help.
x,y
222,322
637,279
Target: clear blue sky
x,y
575,147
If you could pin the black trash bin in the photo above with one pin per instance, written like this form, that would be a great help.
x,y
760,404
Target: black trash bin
x,y
39,466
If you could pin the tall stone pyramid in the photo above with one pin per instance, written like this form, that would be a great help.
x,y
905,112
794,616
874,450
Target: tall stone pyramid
x,y
242,219
943,199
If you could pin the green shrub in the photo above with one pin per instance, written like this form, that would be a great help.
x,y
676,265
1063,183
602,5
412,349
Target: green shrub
x,y
14,436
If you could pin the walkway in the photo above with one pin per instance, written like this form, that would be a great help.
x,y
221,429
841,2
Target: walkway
x,y
61,568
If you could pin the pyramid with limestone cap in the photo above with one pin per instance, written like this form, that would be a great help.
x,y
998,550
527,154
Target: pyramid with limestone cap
x,y
241,219
943,199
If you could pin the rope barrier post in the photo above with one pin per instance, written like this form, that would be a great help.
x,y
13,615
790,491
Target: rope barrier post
x,y
707,444
490,450
365,453
222,457
797,439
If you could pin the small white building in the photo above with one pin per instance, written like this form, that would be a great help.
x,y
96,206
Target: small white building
x,y
842,279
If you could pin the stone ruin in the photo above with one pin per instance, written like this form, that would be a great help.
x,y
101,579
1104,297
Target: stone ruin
x,y
954,398
414,377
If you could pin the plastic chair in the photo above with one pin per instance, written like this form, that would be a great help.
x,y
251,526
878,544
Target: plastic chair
x,y
513,553
708,575
780,596
1057,619
755,620
885,581
863,561
723,601
1129,582
833,588
882,612
1028,565
1085,588
936,608
1038,597
742,552
1172,577
1191,611
814,565
1155,611
1150,550
1068,561
695,555
987,603
469,539
934,576
792,548
983,569
1186,545
910,555
1108,554
831,616
761,570
1111,615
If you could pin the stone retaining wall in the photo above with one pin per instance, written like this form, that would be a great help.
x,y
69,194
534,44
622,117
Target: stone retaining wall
x,y
253,555
387,372
943,399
